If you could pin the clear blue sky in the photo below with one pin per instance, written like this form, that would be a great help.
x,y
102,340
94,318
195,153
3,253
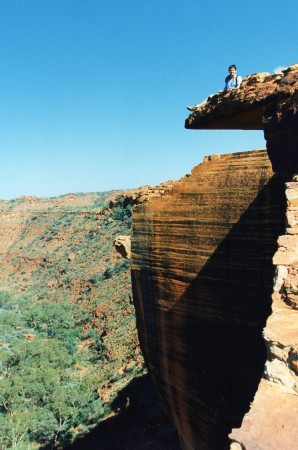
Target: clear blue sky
x,y
93,93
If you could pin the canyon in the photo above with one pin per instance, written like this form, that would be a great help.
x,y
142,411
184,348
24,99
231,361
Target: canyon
x,y
214,262
64,289
214,277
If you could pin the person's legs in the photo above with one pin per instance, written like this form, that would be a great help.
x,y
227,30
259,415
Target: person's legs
x,y
195,107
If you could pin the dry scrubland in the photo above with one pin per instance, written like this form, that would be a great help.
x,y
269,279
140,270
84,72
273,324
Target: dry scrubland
x,y
68,341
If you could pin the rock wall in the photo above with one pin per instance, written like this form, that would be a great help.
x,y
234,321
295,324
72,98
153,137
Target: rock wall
x,y
202,281
206,258
272,420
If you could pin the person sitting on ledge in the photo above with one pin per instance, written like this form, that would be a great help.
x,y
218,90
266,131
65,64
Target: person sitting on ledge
x,y
232,81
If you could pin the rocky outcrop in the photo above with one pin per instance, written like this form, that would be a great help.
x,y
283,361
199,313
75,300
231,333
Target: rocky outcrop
x,y
123,246
206,258
264,101
142,194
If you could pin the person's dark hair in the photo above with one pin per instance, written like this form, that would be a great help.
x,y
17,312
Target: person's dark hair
x,y
232,66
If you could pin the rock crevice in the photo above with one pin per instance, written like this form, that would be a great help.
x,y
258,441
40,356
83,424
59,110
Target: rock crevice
x,y
275,406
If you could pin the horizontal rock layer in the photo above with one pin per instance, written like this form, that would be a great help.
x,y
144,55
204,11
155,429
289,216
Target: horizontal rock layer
x,y
202,281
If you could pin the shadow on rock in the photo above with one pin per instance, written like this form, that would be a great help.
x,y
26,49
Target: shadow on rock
x,y
204,343
139,423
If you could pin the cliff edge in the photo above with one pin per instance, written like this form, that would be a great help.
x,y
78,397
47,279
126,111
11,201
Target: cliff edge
x,y
214,260
263,102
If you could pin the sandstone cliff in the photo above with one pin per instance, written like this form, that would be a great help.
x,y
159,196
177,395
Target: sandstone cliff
x,y
207,259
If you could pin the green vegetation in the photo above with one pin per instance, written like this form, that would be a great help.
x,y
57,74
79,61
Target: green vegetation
x,y
44,393
67,326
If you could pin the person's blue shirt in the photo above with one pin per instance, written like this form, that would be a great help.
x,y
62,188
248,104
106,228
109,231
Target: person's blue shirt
x,y
232,82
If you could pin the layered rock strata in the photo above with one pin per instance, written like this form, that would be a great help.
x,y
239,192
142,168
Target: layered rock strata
x,y
202,281
204,257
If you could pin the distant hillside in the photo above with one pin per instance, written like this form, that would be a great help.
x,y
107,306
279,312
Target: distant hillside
x,y
65,291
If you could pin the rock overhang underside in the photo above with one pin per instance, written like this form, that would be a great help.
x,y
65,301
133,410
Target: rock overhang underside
x,y
263,102
246,108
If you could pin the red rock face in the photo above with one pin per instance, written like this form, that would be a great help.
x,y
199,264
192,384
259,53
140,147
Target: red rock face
x,y
202,276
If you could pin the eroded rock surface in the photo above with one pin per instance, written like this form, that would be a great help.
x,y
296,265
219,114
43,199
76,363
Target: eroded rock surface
x,y
206,257
272,420
244,108
263,102
202,281
122,244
